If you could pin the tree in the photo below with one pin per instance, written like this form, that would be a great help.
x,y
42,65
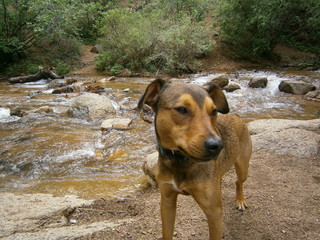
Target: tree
x,y
253,28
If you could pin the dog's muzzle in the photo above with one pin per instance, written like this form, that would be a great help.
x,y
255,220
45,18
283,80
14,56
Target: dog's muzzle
x,y
213,147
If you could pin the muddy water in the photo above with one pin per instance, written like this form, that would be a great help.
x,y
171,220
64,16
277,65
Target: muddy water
x,y
49,152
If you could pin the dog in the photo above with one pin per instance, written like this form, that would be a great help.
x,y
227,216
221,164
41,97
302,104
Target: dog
x,y
196,145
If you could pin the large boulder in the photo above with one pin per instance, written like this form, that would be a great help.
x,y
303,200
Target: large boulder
x,y
296,87
258,82
299,138
221,81
91,107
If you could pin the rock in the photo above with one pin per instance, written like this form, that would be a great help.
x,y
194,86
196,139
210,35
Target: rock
x,y
112,78
94,89
299,138
259,82
221,81
313,95
231,87
150,168
61,90
43,109
22,213
57,83
97,49
296,87
91,107
116,123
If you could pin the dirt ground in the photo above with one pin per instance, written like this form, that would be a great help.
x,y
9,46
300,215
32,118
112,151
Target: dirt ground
x,y
282,193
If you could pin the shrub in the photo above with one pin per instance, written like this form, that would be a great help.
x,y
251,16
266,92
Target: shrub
x,y
140,40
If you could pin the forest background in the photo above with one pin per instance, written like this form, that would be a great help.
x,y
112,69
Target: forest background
x,y
150,35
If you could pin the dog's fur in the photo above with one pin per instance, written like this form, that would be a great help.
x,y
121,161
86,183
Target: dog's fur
x,y
196,147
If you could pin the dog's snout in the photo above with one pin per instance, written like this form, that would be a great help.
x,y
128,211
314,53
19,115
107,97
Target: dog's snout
x,y
213,146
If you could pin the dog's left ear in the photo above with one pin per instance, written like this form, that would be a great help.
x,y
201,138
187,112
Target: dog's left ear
x,y
218,97
151,95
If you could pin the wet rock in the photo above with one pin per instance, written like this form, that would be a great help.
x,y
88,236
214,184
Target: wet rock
x,y
43,109
299,138
313,95
66,89
221,81
259,82
57,83
231,87
91,107
94,89
17,112
296,87
116,123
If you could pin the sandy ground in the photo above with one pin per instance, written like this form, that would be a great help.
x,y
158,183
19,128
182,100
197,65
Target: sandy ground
x,y
282,193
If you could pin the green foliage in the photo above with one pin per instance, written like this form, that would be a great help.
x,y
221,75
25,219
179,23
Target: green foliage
x,y
253,28
150,40
116,69
62,67
39,23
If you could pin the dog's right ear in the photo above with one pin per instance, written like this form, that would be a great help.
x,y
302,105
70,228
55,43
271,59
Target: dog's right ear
x,y
151,95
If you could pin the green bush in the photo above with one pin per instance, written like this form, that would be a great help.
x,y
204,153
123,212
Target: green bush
x,y
116,69
140,40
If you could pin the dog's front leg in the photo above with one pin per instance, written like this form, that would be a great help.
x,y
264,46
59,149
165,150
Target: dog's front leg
x,y
168,207
209,199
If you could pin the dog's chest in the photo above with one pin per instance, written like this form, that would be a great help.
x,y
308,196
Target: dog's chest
x,y
179,188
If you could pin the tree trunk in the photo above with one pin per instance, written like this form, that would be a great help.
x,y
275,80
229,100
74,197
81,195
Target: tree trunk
x,y
42,74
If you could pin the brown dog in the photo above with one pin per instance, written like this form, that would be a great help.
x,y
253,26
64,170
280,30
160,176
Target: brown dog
x,y
196,147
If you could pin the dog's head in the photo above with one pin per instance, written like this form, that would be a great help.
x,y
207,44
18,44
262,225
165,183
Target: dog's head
x,y
185,117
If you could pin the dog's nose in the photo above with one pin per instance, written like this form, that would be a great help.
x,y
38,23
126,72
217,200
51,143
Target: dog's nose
x,y
213,146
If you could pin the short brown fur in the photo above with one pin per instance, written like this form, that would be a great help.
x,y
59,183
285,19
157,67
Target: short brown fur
x,y
204,146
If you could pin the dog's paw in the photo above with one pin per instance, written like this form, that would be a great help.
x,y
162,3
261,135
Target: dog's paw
x,y
241,205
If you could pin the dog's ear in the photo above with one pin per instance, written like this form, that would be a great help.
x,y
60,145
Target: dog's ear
x,y
151,95
218,97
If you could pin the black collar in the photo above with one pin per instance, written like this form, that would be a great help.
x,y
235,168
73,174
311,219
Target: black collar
x,y
173,155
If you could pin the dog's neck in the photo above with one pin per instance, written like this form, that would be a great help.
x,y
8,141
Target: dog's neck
x,y
174,155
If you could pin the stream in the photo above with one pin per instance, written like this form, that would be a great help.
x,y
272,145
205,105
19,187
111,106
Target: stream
x,y
46,151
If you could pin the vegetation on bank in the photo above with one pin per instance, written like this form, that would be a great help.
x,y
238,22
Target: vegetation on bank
x,y
150,35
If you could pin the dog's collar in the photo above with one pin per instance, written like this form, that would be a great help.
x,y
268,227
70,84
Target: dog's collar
x,y
173,154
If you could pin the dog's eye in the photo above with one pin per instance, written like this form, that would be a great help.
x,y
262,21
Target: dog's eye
x,y
181,110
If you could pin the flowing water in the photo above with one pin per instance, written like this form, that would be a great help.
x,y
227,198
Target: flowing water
x,y
47,151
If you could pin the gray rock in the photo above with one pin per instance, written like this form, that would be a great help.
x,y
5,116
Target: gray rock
x,y
150,168
259,82
91,107
296,87
299,138
221,81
